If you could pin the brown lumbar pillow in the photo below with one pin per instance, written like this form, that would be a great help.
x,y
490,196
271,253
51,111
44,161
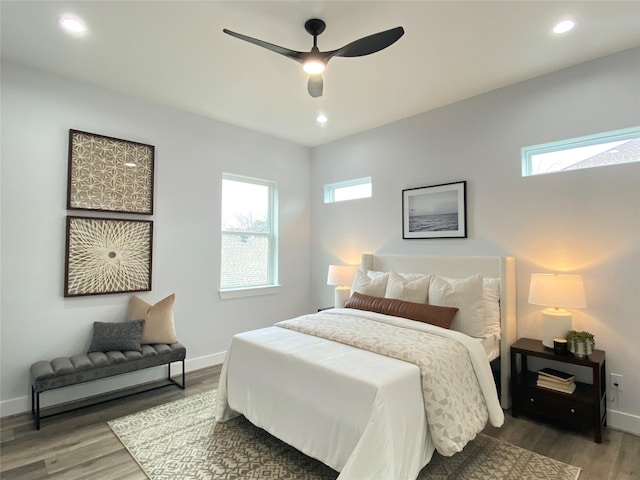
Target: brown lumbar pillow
x,y
158,319
421,312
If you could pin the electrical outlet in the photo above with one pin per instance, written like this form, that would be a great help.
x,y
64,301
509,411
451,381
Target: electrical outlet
x,y
616,379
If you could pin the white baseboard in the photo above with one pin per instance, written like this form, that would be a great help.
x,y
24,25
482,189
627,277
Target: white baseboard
x,y
624,422
192,364
18,405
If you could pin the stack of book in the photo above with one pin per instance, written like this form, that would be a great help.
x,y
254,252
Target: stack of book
x,y
556,380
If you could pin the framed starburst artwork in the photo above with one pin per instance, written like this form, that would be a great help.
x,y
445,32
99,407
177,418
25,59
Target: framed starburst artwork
x,y
109,174
107,255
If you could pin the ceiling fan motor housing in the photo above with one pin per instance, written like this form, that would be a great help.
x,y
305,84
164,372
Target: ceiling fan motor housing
x,y
315,26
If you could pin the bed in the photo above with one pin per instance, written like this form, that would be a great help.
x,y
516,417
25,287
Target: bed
x,y
344,398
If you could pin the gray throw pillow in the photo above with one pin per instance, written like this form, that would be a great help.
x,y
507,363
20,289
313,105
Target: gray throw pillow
x,y
113,336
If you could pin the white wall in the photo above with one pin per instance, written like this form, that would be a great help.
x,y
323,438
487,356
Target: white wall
x,y
38,323
585,222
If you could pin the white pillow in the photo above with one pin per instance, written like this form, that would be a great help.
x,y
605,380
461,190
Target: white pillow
x,y
401,288
491,300
374,287
407,276
375,273
414,276
464,293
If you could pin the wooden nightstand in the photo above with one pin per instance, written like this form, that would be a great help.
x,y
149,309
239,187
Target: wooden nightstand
x,y
587,405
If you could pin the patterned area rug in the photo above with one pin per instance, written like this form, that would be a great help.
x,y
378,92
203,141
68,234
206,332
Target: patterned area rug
x,y
181,440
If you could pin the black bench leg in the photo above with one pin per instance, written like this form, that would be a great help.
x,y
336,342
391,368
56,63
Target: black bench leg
x,y
35,407
172,380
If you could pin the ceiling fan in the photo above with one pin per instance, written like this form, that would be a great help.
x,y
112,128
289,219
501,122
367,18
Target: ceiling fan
x,y
315,61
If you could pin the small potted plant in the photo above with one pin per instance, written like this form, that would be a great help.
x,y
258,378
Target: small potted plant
x,y
580,343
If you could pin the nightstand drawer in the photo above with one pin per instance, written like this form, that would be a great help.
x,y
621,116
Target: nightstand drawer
x,y
554,405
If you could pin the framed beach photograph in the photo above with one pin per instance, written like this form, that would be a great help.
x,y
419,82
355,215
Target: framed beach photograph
x,y
436,211
109,174
107,255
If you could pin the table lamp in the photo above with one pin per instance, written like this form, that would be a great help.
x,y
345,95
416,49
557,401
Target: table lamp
x,y
557,291
342,276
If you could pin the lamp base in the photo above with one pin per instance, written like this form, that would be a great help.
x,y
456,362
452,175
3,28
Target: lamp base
x,y
341,295
556,322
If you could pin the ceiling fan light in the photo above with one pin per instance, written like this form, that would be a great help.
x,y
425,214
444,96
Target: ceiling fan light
x,y
313,66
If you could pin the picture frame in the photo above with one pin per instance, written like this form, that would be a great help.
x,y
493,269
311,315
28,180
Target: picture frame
x,y
109,174
435,211
107,255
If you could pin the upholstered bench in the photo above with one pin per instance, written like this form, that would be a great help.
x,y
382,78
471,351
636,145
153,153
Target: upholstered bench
x,y
66,371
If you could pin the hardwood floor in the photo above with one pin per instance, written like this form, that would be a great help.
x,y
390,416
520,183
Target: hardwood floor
x,y
80,445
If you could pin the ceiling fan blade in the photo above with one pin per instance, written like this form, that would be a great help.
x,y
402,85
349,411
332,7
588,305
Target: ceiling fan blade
x,y
314,86
368,45
293,54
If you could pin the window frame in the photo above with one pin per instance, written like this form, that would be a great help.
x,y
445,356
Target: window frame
x,y
271,286
330,189
598,138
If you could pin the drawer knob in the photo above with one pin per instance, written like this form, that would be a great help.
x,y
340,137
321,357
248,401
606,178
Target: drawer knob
x,y
573,410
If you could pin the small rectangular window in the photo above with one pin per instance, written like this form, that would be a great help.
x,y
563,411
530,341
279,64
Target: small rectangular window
x,y
609,148
248,257
348,190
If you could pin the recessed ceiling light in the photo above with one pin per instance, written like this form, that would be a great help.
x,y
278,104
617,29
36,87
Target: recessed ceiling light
x,y
564,26
321,118
72,25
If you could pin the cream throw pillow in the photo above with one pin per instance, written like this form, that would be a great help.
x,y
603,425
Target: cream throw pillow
x,y
158,319
465,294
374,287
491,300
401,288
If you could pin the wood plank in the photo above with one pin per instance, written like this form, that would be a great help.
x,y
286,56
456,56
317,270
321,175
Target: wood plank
x,y
116,465
29,471
101,444
627,464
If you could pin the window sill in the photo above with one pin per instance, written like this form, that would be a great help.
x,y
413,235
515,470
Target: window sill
x,y
248,292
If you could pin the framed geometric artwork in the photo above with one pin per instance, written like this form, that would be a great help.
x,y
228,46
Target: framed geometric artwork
x,y
109,174
107,255
437,211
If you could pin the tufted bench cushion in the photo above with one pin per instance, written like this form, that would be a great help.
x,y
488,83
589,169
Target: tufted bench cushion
x,y
85,367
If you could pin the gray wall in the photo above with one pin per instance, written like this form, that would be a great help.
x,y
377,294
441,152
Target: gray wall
x,y
38,323
585,222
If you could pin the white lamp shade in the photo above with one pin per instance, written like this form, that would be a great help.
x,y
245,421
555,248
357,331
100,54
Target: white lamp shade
x,y
557,290
341,275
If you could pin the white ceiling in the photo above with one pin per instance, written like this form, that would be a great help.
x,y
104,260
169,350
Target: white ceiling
x,y
174,53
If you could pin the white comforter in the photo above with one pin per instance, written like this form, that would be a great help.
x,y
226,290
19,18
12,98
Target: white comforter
x,y
359,412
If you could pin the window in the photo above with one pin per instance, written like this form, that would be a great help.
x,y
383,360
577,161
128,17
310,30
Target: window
x,y
609,148
248,258
349,190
